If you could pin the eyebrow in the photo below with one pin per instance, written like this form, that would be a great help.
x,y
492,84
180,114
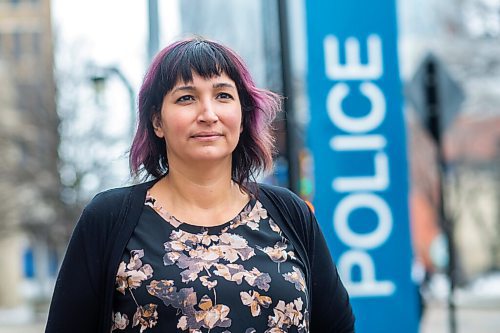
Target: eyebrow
x,y
224,85
218,85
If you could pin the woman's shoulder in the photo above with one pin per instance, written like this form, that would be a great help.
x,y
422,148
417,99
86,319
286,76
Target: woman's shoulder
x,y
281,195
113,200
289,211
108,199
275,190
284,203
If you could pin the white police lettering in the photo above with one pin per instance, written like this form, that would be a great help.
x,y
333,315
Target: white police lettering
x,y
366,241
378,181
359,142
353,69
356,124
367,286
359,188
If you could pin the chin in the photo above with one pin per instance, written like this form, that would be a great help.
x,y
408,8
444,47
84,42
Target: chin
x,y
211,157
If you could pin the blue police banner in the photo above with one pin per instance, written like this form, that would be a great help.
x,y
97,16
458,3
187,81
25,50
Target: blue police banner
x,y
358,142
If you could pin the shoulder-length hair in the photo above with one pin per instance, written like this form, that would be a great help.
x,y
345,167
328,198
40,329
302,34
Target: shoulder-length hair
x,y
177,62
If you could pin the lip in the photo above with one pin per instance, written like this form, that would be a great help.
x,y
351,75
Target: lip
x,y
206,136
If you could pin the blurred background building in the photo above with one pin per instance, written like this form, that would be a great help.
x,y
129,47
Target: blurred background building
x,y
55,156
30,187
464,36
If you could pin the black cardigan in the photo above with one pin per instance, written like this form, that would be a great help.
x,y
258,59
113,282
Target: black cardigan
x,y
83,295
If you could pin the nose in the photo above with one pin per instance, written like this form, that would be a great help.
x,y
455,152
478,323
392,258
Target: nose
x,y
207,113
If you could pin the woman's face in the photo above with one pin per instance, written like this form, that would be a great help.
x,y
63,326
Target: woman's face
x,y
200,120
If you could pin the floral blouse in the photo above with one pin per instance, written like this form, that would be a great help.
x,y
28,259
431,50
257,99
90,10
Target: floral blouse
x,y
242,276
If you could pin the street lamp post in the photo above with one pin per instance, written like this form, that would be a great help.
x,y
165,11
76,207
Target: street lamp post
x,y
99,77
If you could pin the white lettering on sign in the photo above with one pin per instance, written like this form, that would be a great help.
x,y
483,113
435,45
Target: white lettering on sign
x,y
359,188
377,182
358,142
356,124
380,179
369,240
353,69
368,284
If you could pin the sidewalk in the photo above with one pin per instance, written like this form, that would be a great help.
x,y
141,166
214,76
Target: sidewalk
x,y
22,320
24,328
485,319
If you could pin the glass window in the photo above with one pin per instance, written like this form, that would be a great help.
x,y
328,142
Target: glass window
x,y
30,96
36,43
17,44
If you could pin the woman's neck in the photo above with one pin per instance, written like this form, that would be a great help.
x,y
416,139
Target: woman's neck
x,y
202,191
201,194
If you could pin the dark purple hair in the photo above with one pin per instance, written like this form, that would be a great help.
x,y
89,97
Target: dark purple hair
x,y
176,62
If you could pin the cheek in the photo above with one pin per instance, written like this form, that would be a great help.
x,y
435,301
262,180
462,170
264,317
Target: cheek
x,y
237,124
237,120
175,122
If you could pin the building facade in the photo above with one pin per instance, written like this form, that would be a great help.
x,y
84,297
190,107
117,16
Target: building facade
x,y
29,125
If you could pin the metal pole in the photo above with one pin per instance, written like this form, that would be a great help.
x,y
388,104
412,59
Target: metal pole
x,y
101,74
290,127
154,35
496,175
272,48
131,94
434,126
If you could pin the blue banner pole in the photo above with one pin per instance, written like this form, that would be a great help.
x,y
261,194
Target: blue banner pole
x,y
358,142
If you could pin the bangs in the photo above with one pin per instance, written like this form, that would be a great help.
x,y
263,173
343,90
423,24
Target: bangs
x,y
200,57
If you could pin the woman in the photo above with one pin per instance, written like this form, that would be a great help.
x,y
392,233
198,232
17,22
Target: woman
x,y
200,247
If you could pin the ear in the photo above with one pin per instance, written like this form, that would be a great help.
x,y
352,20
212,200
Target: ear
x,y
156,122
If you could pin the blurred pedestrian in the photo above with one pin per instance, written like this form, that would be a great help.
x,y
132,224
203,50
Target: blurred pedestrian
x,y
200,247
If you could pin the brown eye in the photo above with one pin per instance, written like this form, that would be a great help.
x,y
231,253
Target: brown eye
x,y
224,96
185,98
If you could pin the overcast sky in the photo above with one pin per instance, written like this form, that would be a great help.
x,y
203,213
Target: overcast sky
x,y
106,33
112,32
